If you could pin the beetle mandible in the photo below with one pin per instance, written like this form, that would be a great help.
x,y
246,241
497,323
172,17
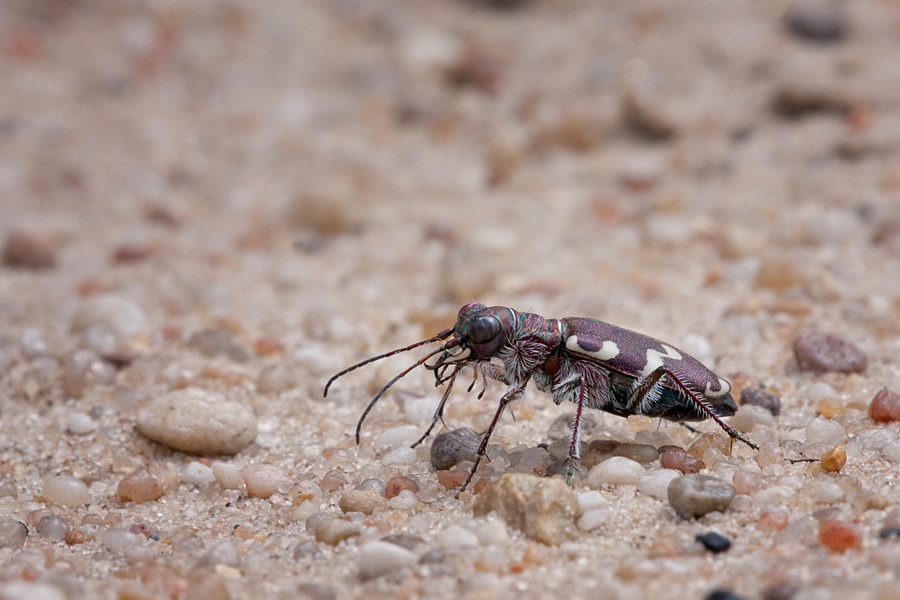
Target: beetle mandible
x,y
584,361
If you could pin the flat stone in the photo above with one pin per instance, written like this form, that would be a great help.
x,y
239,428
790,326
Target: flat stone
x,y
543,509
199,422
696,495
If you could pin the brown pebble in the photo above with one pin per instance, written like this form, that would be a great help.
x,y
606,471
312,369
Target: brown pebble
x,y
603,446
823,352
395,485
139,487
365,501
885,407
543,509
451,479
642,453
833,460
29,250
838,536
682,461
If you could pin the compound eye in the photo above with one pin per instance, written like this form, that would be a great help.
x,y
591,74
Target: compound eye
x,y
482,329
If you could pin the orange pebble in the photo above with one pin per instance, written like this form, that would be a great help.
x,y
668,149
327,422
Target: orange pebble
x,y
833,460
838,536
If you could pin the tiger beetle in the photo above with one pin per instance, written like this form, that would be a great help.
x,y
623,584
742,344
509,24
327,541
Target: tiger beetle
x,y
584,361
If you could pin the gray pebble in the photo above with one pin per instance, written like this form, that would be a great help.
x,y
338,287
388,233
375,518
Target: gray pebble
x,y
642,453
453,447
12,533
372,483
823,352
198,421
696,495
822,22
757,397
333,531
53,528
218,342
306,549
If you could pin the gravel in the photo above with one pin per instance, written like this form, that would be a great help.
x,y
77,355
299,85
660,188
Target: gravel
x,y
697,495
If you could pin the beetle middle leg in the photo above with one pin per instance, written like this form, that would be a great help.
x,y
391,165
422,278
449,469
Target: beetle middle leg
x,y
574,450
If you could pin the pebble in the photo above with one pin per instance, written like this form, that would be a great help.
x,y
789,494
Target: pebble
x,y
593,518
680,460
118,315
746,483
65,490
82,369
821,430
749,416
196,473
696,495
714,542
825,491
885,407
591,499
773,521
709,442
220,553
889,532
139,487
372,483
8,488
80,423
199,422
53,527
379,558
403,455
29,249
821,22
404,540
833,460
830,408
365,501
838,536
395,485
824,352
453,447
403,435
333,480
642,453
12,533
264,480
333,531
892,452
543,509
227,475
117,540
754,396
306,549
218,342
455,536
617,470
656,483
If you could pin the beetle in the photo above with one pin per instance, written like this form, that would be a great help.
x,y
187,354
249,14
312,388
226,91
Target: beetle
x,y
590,363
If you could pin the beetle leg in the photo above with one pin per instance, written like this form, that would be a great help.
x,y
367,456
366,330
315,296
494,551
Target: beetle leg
x,y
574,450
513,393
644,389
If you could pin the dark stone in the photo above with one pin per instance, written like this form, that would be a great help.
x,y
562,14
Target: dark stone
x,y
823,23
714,542
723,595
757,397
889,532
453,447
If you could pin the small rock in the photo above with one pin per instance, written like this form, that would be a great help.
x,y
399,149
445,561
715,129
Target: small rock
x,y
455,536
774,521
80,423
333,531
543,509
365,501
696,495
757,397
885,407
53,527
306,549
314,591
641,453
838,536
378,558
820,430
117,540
263,481
823,352
8,488
656,483
876,439
453,447
227,475
822,22
833,460
65,490
403,455
139,487
333,480
707,442
372,483
746,483
593,518
889,532
830,408
198,421
29,249
749,416
617,470
404,540
395,437
12,533
395,485
889,451
196,473
116,314
218,342
680,460
714,542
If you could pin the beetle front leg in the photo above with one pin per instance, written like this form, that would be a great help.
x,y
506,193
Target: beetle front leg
x,y
513,393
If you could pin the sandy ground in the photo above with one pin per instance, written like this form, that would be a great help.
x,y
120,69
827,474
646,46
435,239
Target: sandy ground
x,y
331,180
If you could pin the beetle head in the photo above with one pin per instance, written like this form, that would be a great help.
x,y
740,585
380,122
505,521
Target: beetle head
x,y
480,331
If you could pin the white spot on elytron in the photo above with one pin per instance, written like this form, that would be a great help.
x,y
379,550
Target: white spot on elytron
x,y
608,349
654,358
724,388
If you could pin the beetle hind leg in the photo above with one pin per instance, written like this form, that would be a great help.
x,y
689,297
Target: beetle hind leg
x,y
574,447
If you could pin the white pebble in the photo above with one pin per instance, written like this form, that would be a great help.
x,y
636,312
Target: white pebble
x,y
826,491
490,532
656,483
65,490
228,475
820,390
403,455
892,452
377,558
776,495
589,500
197,473
80,423
122,317
406,499
820,430
617,470
420,409
404,435
749,416
593,518
455,536
874,439
198,421
118,540
264,480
